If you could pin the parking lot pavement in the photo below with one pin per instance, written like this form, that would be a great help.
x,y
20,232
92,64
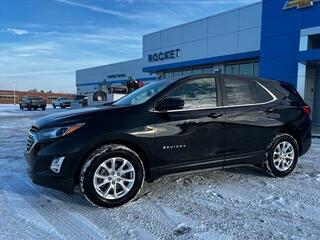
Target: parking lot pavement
x,y
241,203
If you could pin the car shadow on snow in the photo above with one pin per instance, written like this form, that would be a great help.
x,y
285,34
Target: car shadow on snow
x,y
34,194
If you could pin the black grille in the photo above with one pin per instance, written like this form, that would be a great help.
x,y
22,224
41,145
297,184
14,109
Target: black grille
x,y
30,142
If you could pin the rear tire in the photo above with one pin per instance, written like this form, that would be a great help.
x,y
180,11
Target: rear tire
x,y
281,155
43,108
112,176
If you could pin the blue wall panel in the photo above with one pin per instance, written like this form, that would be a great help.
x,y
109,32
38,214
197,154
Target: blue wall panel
x,y
280,36
288,42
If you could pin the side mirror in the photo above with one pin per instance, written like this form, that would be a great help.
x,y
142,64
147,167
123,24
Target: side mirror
x,y
170,104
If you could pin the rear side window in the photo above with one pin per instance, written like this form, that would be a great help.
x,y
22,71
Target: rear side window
x,y
243,91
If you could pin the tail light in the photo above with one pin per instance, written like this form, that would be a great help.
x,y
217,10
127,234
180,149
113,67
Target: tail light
x,y
307,109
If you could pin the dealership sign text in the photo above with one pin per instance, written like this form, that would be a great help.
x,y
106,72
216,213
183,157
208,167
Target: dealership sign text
x,y
161,56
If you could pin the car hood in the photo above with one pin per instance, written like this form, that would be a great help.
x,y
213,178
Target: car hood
x,y
71,116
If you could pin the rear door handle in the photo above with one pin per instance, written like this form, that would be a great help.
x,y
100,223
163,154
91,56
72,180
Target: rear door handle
x,y
215,115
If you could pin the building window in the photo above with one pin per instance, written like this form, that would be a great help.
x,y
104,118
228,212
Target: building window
x,y
197,71
207,70
187,72
256,69
314,41
246,69
6,97
168,74
232,69
177,74
218,69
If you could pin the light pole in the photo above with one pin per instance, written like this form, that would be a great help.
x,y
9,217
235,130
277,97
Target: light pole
x,y
14,92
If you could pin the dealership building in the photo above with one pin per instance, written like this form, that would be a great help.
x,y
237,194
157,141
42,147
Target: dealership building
x,y
274,39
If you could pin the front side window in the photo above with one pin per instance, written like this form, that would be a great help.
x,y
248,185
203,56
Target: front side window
x,y
198,93
242,92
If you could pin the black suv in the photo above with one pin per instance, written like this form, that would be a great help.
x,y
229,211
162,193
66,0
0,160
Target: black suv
x,y
169,126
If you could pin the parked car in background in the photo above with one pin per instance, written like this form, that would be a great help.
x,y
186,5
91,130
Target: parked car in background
x,y
61,102
79,101
33,103
170,126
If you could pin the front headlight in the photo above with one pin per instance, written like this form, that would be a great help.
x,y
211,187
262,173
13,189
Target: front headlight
x,y
60,131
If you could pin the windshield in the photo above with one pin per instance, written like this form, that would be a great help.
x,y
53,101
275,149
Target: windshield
x,y
142,94
63,98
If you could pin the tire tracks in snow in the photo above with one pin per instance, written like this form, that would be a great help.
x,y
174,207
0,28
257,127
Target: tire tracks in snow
x,y
63,222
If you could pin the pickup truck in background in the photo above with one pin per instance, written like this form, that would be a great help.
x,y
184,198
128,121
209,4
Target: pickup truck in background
x,y
61,102
32,103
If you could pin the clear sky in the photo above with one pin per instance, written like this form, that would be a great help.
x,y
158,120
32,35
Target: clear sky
x,y
43,42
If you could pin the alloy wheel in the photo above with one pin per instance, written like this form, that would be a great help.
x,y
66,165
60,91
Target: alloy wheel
x,y
114,178
283,156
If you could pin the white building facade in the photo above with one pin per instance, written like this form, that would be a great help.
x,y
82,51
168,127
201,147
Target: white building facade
x,y
274,39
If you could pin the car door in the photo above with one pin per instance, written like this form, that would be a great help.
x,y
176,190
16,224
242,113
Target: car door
x,y
249,127
192,137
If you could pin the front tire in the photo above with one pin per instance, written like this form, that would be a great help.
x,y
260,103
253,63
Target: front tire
x,y
112,176
281,155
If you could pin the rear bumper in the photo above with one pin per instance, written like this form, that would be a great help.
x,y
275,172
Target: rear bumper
x,y
305,143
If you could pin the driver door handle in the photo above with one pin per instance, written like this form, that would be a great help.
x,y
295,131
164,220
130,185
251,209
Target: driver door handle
x,y
215,115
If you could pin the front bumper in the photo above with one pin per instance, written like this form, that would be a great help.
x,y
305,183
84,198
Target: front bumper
x,y
49,180
39,156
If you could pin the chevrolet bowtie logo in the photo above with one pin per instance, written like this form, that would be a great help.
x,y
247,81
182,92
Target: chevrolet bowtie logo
x,y
299,3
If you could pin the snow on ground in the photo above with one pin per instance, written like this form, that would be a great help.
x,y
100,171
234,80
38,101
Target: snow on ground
x,y
241,203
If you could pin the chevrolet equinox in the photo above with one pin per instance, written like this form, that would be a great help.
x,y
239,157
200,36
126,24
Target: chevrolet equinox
x,y
169,126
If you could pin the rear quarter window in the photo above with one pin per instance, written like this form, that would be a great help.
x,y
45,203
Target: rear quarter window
x,y
290,93
245,91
